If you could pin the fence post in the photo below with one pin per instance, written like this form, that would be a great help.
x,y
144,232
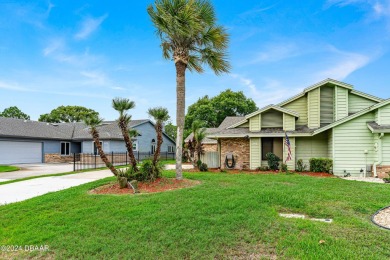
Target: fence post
x,y
138,155
74,162
126,157
112,158
95,160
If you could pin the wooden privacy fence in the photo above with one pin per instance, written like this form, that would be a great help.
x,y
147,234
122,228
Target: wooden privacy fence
x,y
211,159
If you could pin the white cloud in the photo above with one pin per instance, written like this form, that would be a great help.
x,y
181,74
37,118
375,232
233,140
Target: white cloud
x,y
276,52
54,46
88,26
342,64
271,91
13,86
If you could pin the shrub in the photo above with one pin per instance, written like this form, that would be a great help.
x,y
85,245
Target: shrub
x,y
203,167
198,163
149,171
301,166
283,167
262,168
321,165
273,161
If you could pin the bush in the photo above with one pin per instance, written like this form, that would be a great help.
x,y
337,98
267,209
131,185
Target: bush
x,y
262,168
283,167
273,161
198,163
301,166
203,167
150,172
321,165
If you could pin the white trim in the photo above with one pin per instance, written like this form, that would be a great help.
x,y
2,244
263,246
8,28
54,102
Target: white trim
x,y
278,108
63,142
365,95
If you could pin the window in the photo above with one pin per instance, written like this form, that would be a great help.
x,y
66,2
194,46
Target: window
x,y
95,151
65,148
135,146
171,149
153,146
267,146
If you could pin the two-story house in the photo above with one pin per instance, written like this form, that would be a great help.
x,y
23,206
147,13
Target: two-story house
x,y
329,120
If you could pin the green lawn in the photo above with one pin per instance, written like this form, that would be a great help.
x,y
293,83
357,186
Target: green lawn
x,y
227,216
8,168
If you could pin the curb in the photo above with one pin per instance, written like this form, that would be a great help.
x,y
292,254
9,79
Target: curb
x,y
376,213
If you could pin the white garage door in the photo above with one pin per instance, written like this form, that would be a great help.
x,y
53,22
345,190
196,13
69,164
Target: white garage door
x,y
20,152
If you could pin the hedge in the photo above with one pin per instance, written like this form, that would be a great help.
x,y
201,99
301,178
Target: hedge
x,y
321,165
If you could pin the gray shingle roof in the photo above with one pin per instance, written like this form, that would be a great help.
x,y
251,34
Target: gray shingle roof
x,y
375,126
11,127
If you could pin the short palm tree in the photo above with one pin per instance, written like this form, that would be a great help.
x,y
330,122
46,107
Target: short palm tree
x,y
160,115
199,134
93,122
191,38
122,105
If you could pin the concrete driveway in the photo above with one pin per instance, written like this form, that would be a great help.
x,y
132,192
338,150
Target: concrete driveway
x,y
23,190
29,170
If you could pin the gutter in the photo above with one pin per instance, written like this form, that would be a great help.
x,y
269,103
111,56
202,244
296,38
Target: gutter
x,y
379,152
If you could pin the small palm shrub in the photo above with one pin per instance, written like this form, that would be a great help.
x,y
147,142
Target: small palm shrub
x,y
203,167
301,166
273,161
151,172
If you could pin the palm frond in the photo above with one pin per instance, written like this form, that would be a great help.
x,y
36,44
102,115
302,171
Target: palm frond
x,y
93,121
122,105
159,114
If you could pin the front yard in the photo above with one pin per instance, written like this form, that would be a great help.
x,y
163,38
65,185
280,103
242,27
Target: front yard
x,y
226,216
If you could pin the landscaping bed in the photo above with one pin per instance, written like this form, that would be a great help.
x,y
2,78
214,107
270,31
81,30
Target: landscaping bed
x,y
313,174
159,185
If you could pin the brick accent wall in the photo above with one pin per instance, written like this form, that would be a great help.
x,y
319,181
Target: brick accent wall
x,y
382,171
240,149
57,158
210,147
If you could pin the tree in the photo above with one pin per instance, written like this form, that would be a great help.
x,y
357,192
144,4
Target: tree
x,y
93,122
212,111
191,38
68,114
170,130
195,145
160,115
122,105
14,112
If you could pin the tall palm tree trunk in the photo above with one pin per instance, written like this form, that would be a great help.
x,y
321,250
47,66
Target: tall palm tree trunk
x,y
129,143
156,156
96,138
180,114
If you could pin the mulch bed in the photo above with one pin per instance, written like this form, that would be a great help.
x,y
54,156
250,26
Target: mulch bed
x,y
313,174
159,185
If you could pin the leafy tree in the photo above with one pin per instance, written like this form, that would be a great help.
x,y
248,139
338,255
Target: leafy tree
x,y
194,145
170,130
14,112
190,37
212,111
93,122
68,114
122,105
160,115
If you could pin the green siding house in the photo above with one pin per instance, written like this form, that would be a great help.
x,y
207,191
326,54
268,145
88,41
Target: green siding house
x,y
329,120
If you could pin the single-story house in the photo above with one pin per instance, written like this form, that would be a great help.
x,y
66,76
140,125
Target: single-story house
x,y
26,141
329,120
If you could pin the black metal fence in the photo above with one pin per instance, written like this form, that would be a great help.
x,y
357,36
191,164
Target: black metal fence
x,y
84,161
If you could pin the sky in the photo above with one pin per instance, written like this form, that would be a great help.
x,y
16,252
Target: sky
x,y
85,53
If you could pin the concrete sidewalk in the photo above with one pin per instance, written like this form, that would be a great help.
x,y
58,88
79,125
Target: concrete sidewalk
x,y
24,190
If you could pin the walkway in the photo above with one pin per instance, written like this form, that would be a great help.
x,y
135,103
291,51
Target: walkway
x,y
24,190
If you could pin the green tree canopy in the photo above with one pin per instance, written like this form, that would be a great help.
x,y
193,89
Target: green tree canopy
x,y
171,130
212,111
68,114
14,112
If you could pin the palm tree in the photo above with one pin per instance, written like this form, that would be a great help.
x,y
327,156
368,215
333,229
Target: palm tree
x,y
198,135
122,105
160,115
191,38
93,122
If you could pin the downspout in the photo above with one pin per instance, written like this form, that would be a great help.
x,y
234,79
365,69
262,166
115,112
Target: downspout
x,y
379,152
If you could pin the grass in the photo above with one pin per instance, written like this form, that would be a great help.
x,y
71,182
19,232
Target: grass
x,y
8,168
227,216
